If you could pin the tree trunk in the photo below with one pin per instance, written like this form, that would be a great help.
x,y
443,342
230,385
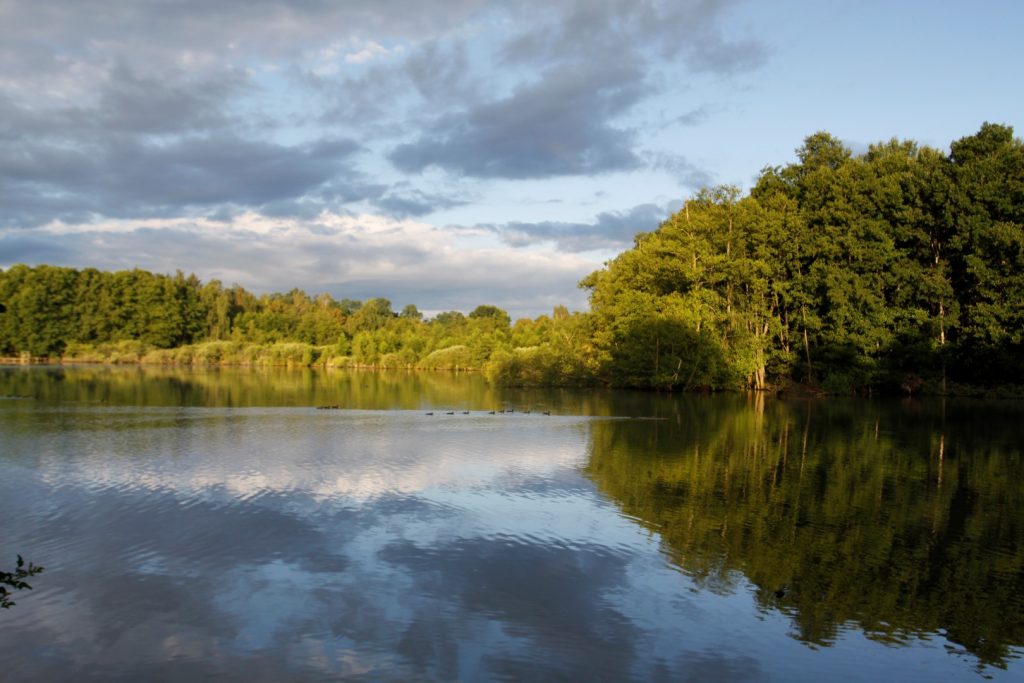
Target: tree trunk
x,y
807,346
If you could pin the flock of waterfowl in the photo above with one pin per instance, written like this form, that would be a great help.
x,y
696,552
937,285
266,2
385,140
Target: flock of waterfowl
x,y
494,412
452,412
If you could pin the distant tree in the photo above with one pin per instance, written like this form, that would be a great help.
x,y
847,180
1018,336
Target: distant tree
x,y
485,311
349,306
410,311
449,318
372,315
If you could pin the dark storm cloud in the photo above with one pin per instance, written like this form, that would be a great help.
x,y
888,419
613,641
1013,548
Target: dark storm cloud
x,y
582,29
404,203
146,146
404,200
137,104
18,247
610,230
124,176
539,30
586,67
279,27
125,102
559,125
146,109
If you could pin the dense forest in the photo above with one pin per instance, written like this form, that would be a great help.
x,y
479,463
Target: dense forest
x,y
895,267
898,269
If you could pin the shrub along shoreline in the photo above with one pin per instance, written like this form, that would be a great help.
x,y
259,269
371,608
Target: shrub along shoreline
x,y
519,370
248,354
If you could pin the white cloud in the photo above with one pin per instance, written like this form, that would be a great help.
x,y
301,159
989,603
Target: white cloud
x,y
355,256
369,51
326,62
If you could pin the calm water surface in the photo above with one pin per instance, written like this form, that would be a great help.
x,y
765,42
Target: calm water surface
x,y
216,525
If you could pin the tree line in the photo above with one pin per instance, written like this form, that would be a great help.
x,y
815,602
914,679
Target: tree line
x,y
51,311
901,268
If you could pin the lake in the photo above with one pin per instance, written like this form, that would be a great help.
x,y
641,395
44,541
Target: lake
x,y
215,524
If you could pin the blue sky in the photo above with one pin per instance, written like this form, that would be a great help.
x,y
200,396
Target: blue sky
x,y
446,153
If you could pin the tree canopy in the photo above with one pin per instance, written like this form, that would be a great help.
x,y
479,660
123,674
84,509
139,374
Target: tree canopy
x,y
884,269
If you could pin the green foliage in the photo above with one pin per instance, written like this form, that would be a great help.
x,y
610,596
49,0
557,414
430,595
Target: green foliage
x,y
372,315
548,351
139,317
410,311
987,259
498,317
537,366
458,357
895,268
49,308
125,351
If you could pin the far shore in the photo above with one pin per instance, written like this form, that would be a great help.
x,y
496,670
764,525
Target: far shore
x,y
9,360
792,390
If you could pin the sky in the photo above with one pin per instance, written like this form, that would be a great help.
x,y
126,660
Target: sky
x,y
447,153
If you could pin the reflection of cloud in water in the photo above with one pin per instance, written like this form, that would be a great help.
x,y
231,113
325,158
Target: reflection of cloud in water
x,y
549,597
473,470
348,456
281,544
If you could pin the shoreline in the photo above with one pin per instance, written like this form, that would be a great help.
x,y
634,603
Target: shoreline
x,y
792,391
42,360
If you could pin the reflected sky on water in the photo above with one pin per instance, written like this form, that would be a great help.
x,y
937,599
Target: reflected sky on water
x,y
188,536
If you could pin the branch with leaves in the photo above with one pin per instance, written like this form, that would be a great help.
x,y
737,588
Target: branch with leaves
x,y
15,581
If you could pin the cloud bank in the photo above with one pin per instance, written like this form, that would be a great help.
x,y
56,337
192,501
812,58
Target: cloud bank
x,y
356,257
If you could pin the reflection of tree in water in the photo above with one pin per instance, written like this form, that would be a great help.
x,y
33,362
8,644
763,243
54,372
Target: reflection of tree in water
x,y
241,387
904,523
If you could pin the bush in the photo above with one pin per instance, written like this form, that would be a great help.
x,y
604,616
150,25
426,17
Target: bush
x,y
457,357
536,366
215,352
127,351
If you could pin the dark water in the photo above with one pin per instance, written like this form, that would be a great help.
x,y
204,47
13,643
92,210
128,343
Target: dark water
x,y
216,525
